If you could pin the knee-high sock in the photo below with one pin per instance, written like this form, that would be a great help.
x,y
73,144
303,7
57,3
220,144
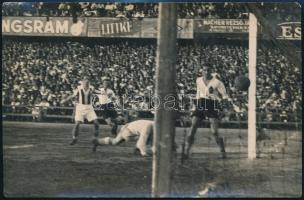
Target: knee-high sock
x,y
96,129
190,139
75,131
219,141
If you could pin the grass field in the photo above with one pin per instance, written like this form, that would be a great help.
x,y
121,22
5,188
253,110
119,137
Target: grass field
x,y
38,162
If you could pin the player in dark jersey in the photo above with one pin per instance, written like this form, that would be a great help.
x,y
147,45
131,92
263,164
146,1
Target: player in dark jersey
x,y
106,106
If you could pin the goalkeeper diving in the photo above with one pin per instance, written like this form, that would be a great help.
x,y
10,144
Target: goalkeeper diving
x,y
140,130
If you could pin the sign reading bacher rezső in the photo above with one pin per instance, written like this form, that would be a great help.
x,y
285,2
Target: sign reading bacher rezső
x,y
40,26
221,26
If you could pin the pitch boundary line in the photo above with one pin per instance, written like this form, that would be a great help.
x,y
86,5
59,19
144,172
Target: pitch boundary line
x,y
18,146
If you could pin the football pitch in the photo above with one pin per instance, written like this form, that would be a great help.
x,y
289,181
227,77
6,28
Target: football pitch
x,y
39,162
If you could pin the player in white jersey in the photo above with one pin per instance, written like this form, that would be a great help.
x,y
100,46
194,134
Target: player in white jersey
x,y
210,91
142,130
106,107
84,109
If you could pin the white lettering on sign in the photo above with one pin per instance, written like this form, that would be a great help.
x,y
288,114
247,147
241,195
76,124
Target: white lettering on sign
x,y
28,28
290,30
42,26
16,26
6,26
49,27
117,27
62,27
123,27
298,32
102,29
286,31
114,28
225,22
38,24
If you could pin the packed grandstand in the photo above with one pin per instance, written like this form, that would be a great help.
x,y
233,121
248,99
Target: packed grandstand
x,y
52,69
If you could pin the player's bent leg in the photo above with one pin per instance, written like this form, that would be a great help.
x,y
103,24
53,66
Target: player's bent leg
x,y
214,124
112,123
110,140
142,141
118,140
150,137
114,128
91,116
102,141
96,133
75,132
191,135
96,128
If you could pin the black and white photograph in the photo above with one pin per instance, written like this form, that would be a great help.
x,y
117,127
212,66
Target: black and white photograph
x,y
151,99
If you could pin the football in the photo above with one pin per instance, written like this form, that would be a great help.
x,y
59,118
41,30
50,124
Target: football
x,y
242,83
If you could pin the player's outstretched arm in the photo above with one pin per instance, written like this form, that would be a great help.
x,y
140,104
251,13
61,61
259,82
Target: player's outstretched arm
x,y
226,100
67,99
222,90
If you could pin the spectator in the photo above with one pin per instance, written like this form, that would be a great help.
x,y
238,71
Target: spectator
x,y
39,111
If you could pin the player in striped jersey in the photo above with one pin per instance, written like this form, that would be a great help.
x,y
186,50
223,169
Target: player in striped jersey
x,y
84,109
210,92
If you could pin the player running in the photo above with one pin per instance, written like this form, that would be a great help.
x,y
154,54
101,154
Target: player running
x,y
84,109
106,106
140,129
210,91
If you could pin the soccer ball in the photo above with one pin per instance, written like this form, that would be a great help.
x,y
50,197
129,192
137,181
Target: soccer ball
x,y
242,83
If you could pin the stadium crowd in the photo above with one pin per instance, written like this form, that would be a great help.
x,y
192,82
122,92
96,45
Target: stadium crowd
x,y
278,11
49,70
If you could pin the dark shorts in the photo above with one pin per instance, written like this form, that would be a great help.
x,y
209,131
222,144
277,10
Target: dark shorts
x,y
145,114
107,111
206,108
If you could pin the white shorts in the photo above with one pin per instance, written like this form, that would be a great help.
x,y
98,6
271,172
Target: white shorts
x,y
85,112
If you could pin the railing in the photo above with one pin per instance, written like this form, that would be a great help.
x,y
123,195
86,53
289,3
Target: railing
x,y
183,119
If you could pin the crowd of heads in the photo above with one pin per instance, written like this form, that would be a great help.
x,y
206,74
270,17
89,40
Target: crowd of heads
x,y
50,70
278,11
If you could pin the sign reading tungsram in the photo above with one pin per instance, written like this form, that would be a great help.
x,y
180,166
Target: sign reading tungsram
x,y
41,26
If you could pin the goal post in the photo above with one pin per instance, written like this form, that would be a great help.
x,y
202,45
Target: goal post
x,y
165,88
252,58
